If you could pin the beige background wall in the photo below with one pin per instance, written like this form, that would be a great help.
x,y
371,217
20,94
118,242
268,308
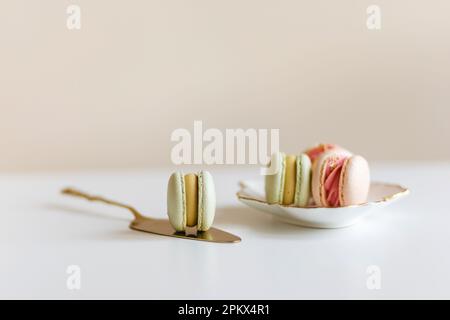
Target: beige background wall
x,y
110,94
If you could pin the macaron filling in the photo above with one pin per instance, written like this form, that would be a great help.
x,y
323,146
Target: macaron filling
x,y
191,192
315,152
289,180
331,180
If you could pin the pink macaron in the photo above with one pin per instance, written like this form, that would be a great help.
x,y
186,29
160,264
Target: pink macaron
x,y
315,152
340,179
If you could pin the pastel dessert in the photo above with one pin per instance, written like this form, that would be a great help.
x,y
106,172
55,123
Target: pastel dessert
x,y
339,179
290,185
191,200
315,152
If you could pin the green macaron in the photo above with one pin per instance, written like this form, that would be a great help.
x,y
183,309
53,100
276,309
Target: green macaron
x,y
191,200
291,184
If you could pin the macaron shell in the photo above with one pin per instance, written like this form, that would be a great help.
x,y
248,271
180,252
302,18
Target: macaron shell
x,y
316,180
176,204
328,147
318,173
206,201
354,182
274,184
303,186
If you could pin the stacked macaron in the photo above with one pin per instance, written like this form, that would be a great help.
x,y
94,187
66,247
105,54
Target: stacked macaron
x,y
191,200
290,185
334,176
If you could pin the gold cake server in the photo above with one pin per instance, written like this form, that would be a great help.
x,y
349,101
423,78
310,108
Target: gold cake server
x,y
159,226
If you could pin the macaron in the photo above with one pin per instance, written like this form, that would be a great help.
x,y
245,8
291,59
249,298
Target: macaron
x,y
315,152
339,179
290,185
191,200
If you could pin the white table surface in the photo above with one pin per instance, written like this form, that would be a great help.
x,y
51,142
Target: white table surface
x,y
42,232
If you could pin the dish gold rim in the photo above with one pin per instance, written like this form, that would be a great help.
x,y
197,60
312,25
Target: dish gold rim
x,y
404,191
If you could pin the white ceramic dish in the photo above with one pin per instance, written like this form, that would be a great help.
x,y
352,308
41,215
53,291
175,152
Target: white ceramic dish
x,y
380,195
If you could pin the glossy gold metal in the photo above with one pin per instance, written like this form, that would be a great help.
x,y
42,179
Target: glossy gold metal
x,y
159,226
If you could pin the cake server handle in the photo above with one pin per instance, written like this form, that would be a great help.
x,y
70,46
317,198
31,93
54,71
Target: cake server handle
x,y
77,193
